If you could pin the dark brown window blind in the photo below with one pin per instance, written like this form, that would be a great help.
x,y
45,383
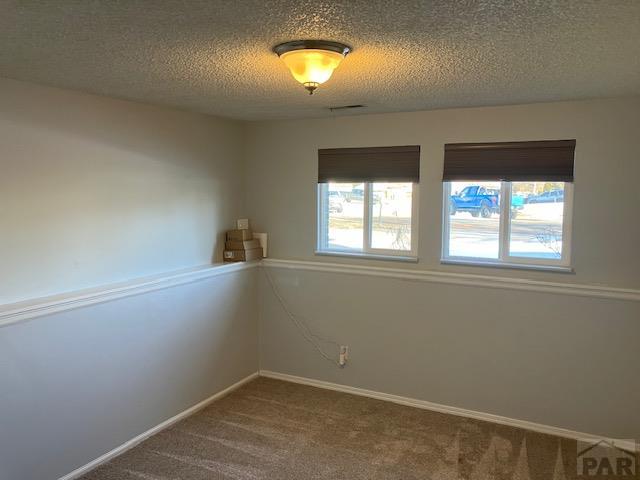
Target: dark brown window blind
x,y
510,161
372,164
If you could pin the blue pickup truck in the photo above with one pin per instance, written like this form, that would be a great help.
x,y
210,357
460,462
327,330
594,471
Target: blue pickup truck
x,y
482,201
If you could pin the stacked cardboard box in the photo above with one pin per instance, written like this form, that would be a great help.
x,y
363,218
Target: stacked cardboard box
x,y
241,246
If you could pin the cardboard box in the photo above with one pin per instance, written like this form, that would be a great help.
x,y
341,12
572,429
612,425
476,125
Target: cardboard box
x,y
239,235
242,255
242,245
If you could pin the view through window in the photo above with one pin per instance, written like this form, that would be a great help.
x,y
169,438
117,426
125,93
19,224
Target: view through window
x,y
345,216
529,227
367,218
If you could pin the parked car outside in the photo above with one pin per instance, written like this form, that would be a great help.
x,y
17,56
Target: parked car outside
x,y
356,194
552,196
481,201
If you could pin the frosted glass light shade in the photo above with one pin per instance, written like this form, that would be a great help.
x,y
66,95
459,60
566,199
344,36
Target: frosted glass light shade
x,y
312,66
311,62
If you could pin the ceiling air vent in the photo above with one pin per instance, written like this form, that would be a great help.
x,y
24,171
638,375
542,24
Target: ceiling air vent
x,y
345,107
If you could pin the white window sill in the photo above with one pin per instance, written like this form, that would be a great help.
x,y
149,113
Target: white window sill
x,y
517,266
367,256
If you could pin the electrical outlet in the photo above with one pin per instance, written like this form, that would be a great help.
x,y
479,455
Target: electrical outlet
x,y
243,224
344,355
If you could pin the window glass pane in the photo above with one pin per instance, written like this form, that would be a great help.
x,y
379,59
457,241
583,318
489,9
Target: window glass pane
x,y
537,210
345,205
391,216
474,219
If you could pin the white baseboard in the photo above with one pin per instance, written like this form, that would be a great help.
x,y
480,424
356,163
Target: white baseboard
x,y
143,436
411,402
629,445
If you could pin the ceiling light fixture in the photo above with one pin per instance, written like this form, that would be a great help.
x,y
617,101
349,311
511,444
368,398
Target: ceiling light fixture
x,y
312,62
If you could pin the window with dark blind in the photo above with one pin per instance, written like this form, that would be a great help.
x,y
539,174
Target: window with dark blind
x,y
367,201
508,203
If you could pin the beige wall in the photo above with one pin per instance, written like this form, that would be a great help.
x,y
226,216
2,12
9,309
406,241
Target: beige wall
x,y
550,358
554,359
282,174
79,383
95,190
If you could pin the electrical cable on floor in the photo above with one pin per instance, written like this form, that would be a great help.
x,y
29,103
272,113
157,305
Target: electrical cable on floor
x,y
300,323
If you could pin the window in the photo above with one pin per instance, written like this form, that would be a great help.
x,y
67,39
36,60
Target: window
x,y
532,230
367,201
514,221
367,218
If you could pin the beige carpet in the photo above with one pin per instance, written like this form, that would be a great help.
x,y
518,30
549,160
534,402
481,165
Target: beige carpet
x,y
271,429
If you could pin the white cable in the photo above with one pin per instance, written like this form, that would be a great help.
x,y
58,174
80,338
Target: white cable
x,y
300,324
304,329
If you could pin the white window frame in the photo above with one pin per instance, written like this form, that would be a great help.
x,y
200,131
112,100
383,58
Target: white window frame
x,y
367,251
504,259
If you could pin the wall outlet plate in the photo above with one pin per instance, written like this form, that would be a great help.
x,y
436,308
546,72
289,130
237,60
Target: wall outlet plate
x,y
243,223
344,355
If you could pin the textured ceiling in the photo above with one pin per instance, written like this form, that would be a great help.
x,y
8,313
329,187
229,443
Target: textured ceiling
x,y
215,57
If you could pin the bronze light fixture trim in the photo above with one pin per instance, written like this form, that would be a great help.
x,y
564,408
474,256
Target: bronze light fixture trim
x,y
312,62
